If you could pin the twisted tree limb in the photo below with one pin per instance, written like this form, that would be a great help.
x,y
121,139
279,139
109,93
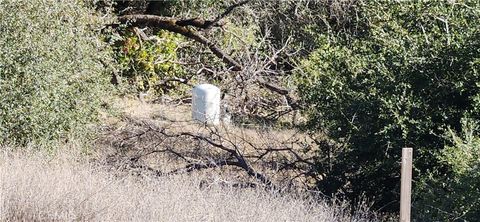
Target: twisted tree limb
x,y
170,24
182,27
239,160
225,149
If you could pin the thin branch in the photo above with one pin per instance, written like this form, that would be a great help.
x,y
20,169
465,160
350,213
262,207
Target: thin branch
x,y
198,22
273,87
240,160
226,12
174,79
200,166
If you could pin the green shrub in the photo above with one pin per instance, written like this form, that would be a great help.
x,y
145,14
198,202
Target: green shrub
x,y
53,69
409,70
454,195
147,63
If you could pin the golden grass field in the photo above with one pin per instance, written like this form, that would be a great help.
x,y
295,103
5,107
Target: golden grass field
x,y
44,188
69,185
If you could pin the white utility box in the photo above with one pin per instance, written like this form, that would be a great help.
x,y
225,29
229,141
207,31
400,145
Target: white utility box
x,y
206,104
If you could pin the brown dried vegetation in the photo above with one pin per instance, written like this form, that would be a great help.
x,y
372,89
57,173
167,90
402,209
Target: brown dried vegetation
x,y
164,140
153,164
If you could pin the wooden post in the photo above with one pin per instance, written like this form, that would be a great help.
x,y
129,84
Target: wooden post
x,y
406,185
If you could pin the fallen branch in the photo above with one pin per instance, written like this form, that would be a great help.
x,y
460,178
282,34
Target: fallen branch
x,y
239,160
212,148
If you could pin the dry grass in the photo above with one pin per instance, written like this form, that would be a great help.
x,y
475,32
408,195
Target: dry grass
x,y
66,187
107,186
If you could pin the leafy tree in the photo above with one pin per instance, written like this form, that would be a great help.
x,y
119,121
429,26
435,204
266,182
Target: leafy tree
x,y
398,76
53,66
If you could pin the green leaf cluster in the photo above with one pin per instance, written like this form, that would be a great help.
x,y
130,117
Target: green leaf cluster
x,y
53,69
146,63
399,75
455,194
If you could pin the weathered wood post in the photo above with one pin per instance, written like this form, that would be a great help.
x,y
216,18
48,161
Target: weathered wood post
x,y
406,185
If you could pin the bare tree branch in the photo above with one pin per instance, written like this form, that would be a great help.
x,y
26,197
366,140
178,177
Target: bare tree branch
x,y
226,12
240,160
272,163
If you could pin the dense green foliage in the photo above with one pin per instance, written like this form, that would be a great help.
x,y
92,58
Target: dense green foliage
x,y
398,76
455,194
53,69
